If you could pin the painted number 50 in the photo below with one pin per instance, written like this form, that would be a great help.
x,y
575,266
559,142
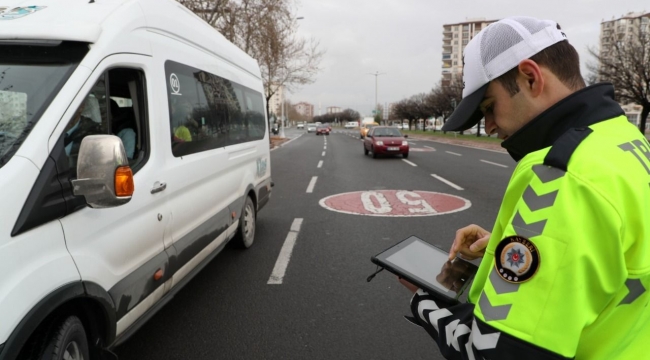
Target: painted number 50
x,y
415,202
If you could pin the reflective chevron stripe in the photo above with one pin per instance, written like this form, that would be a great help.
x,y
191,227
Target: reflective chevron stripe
x,y
547,173
501,286
499,312
537,202
530,230
636,289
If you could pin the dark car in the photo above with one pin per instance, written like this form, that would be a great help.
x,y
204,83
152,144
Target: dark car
x,y
323,130
385,140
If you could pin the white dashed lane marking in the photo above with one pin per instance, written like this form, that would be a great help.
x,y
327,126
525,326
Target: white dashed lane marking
x,y
453,153
493,163
447,182
280,268
408,162
320,164
312,183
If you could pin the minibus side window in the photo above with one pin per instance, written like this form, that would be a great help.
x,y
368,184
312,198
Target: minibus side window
x,y
115,105
208,112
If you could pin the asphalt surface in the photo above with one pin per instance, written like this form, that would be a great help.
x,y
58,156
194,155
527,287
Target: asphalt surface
x,y
324,308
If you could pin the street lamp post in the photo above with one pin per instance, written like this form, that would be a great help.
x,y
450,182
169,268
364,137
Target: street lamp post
x,y
376,74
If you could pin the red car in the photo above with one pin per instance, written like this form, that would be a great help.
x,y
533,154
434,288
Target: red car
x,y
385,140
322,130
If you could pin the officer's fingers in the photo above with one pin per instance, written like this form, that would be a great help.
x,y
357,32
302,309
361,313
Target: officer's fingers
x,y
479,245
464,237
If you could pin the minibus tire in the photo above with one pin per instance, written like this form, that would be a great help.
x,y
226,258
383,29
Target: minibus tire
x,y
68,336
247,223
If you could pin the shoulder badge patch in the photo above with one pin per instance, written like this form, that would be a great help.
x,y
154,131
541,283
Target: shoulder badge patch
x,y
516,259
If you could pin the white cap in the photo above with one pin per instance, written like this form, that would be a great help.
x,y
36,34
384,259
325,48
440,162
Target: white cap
x,y
495,50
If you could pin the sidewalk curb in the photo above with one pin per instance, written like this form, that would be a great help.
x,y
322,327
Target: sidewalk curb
x,y
286,142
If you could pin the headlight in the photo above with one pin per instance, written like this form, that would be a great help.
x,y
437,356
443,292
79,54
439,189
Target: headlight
x,y
381,143
405,143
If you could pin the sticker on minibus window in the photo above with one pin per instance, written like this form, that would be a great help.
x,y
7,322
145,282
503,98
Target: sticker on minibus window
x,y
175,84
18,12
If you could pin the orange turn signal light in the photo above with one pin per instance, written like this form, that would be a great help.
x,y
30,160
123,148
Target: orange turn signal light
x,y
158,275
124,181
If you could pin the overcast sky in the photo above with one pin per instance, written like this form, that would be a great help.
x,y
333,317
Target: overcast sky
x,y
403,39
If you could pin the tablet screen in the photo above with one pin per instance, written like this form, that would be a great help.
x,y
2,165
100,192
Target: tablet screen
x,y
422,261
427,266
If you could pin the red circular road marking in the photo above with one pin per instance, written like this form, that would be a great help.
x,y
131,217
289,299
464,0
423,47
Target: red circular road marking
x,y
397,203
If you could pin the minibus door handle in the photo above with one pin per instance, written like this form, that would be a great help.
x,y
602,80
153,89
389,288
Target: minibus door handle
x,y
158,187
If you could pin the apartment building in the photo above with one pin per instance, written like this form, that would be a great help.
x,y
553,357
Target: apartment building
x,y
333,109
276,101
622,29
305,109
454,39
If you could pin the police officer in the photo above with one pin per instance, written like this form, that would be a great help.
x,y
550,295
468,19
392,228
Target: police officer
x,y
566,270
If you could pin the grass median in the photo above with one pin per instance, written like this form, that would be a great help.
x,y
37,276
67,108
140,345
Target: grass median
x,y
452,135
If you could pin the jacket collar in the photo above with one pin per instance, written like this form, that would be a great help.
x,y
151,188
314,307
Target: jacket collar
x,y
584,107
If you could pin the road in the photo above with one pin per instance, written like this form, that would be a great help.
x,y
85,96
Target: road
x,y
322,307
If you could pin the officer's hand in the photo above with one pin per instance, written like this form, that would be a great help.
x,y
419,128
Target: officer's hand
x,y
470,242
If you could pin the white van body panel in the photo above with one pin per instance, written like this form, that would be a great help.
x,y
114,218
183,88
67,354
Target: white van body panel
x,y
109,244
32,264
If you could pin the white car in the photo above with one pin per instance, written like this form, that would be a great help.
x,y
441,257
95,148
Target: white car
x,y
350,125
300,126
99,229
311,128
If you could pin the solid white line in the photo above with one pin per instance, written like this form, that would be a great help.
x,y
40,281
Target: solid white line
x,y
493,163
281,264
453,153
312,183
429,147
447,182
320,163
323,153
408,162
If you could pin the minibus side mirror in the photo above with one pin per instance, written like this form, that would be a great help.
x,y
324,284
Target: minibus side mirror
x,y
104,177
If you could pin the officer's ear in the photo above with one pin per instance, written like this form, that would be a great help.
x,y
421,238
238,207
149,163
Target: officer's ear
x,y
530,78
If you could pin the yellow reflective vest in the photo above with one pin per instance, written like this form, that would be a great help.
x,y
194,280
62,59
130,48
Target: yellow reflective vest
x,y
588,229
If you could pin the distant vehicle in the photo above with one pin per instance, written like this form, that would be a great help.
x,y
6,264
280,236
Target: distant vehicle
x,y
385,140
323,130
300,125
311,128
275,129
363,130
351,124
329,126
472,131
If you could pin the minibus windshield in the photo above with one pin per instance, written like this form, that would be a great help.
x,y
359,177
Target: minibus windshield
x,y
31,74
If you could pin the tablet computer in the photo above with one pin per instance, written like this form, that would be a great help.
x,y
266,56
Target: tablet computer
x,y
428,267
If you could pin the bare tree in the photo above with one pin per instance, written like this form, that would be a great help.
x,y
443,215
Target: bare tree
x,y
266,30
627,66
